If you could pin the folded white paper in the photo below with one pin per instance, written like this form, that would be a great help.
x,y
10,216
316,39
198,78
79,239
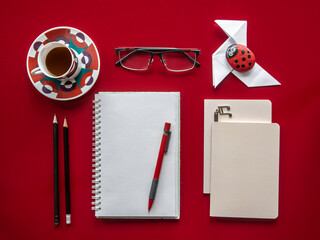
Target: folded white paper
x,y
237,33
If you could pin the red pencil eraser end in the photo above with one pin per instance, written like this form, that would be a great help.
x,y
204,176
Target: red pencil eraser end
x,y
167,126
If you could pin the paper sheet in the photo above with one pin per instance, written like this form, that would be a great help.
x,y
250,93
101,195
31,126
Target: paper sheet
x,y
131,132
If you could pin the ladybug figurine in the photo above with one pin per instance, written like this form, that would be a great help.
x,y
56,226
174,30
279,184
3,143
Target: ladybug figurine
x,y
240,57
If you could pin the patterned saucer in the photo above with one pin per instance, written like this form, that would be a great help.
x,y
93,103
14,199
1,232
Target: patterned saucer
x,y
88,55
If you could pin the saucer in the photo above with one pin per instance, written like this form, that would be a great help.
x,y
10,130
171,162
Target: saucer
x,y
71,88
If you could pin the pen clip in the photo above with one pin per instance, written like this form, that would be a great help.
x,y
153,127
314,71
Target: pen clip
x,y
168,140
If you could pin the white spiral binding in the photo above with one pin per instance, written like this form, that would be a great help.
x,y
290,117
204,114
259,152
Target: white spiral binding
x,y
96,157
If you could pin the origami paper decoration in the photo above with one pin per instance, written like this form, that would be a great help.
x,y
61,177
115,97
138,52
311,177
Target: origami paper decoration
x,y
237,33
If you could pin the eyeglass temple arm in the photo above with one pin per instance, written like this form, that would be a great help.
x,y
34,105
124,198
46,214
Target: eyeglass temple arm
x,y
118,63
192,60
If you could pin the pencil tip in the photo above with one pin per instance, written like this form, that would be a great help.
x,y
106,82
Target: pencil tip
x,y
55,119
65,124
68,219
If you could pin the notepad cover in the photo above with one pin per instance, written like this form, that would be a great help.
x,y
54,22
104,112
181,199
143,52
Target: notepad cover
x,y
242,111
245,170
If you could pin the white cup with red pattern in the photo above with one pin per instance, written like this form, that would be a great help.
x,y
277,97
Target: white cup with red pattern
x,y
57,61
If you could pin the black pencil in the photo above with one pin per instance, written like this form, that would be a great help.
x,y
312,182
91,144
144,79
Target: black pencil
x,y
55,171
66,170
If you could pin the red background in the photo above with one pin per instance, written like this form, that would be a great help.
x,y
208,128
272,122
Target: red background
x,y
283,35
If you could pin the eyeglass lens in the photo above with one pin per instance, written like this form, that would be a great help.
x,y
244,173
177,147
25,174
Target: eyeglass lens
x,y
134,60
179,61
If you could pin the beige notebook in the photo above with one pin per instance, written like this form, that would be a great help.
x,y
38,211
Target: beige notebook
x,y
242,111
245,170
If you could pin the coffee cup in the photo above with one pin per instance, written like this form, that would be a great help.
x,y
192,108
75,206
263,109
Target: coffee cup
x,y
56,60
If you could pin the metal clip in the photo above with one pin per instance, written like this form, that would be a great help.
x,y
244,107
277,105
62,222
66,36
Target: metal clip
x,y
220,111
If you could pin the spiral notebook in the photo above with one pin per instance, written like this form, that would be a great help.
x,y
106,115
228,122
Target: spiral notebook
x,y
128,128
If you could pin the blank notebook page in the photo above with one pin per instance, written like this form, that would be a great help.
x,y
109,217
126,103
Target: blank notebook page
x,y
245,170
131,132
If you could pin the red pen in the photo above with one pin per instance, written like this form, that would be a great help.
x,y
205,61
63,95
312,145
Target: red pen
x,y
163,149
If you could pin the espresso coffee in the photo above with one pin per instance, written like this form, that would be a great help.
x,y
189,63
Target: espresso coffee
x,y
58,61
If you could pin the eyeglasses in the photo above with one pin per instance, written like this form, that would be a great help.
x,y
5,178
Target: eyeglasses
x,y
174,59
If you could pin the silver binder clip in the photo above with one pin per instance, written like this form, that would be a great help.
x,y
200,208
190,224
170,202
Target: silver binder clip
x,y
220,111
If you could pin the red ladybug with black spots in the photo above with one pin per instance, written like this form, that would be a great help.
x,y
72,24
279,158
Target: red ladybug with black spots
x,y
240,57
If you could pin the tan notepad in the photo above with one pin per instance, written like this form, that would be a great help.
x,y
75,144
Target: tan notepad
x,y
245,170
242,111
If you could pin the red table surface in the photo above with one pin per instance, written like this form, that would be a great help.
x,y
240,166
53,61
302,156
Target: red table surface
x,y
284,35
